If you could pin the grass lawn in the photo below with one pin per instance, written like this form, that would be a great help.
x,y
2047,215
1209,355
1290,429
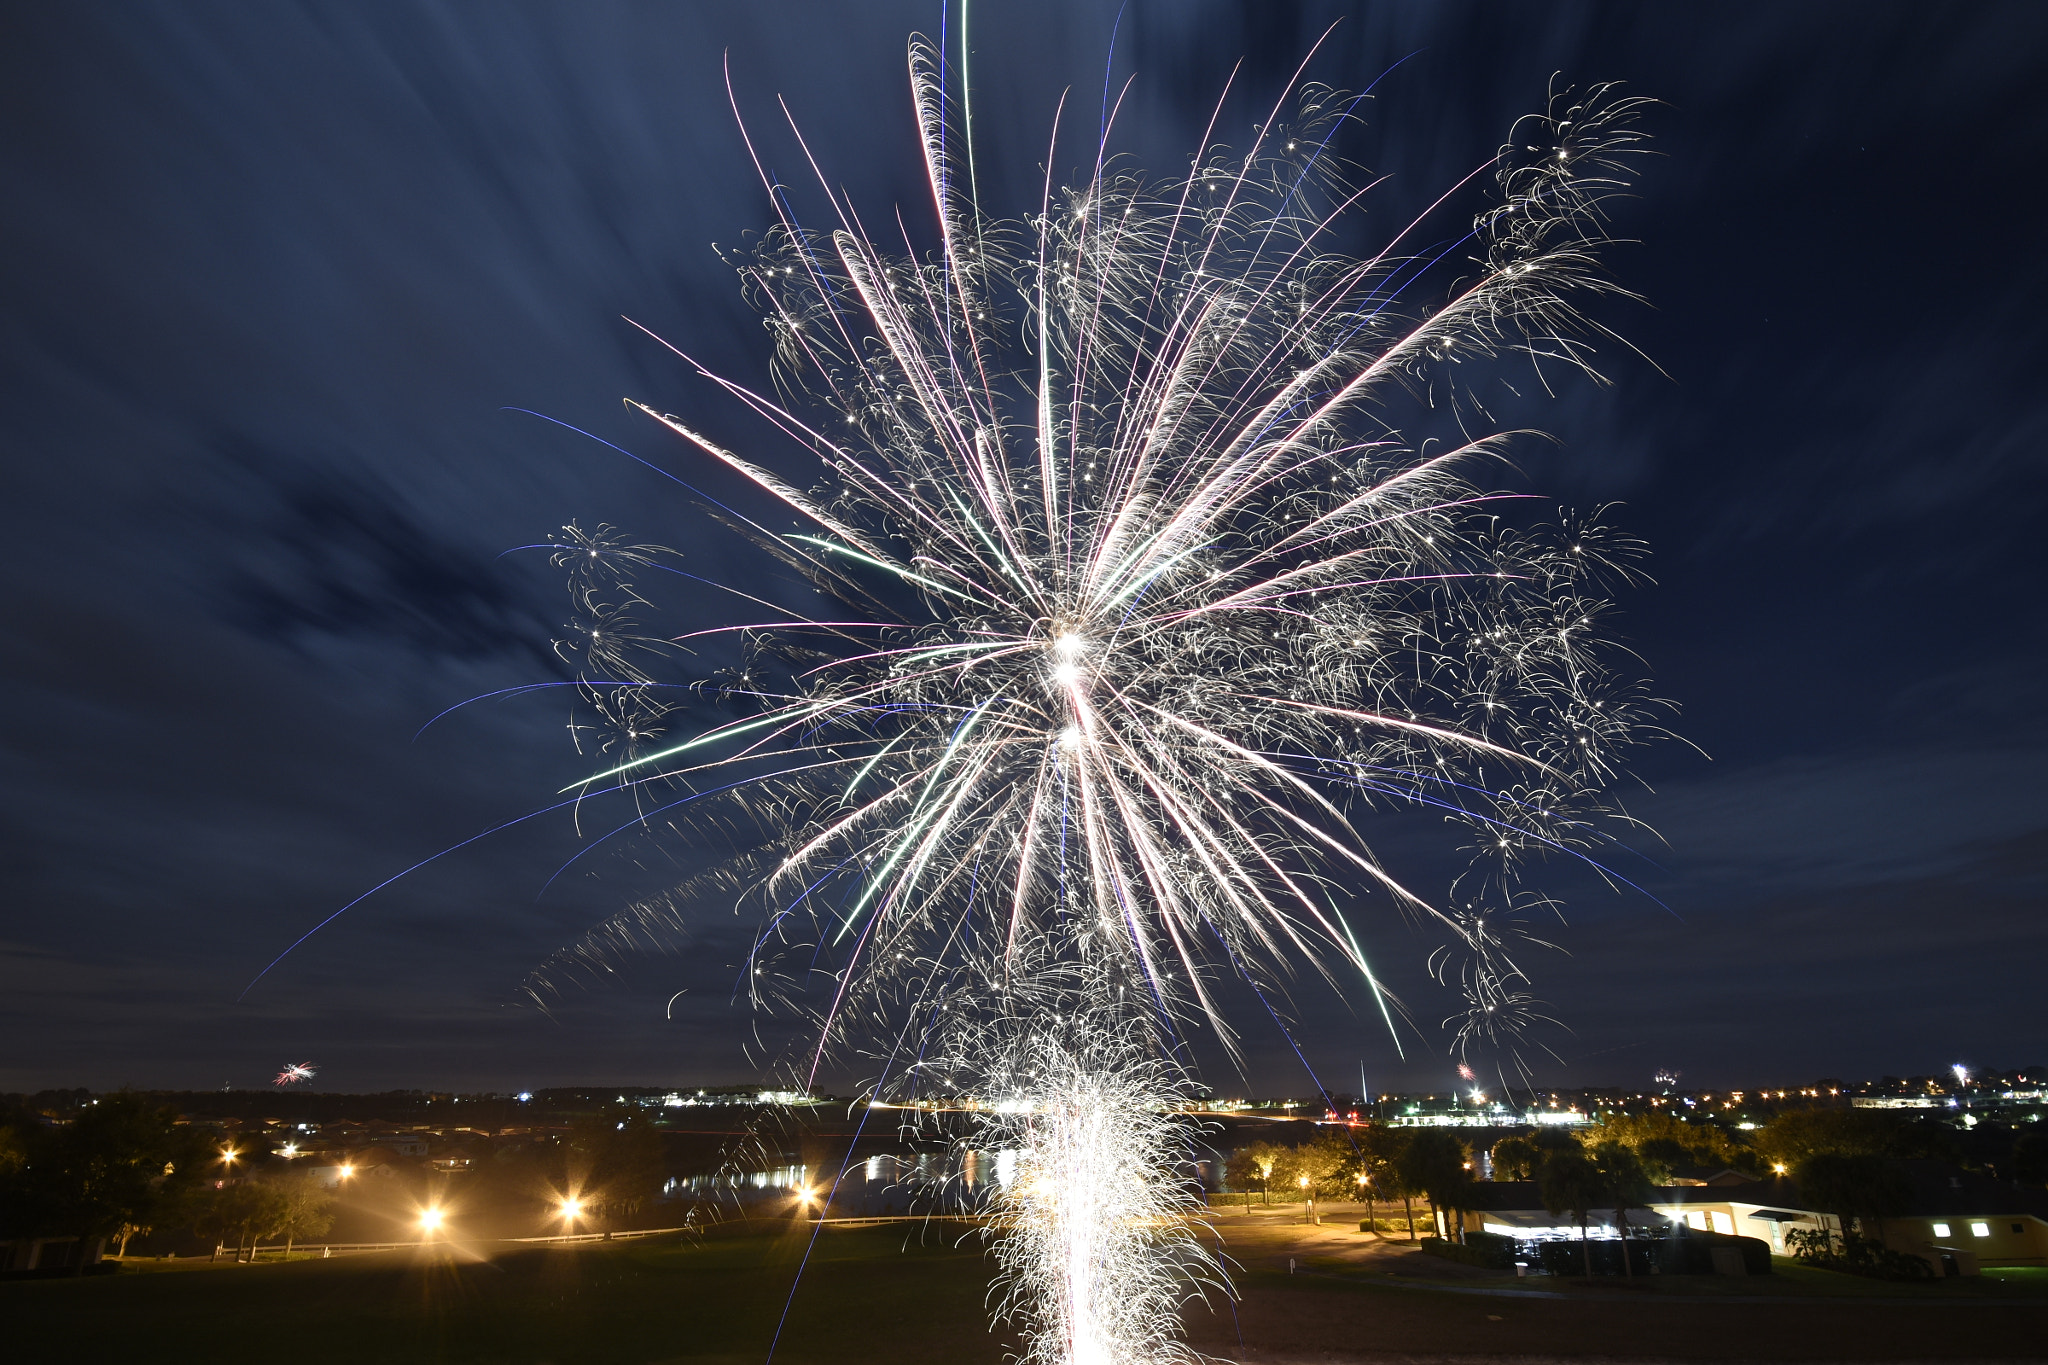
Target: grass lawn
x,y
865,1296
882,1294
1292,1320
1792,1279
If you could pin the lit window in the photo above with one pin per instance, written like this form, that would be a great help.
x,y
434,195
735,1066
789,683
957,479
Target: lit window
x,y
1723,1223
1980,1229
1941,1230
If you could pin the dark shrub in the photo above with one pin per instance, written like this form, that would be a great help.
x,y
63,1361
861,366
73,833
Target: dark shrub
x,y
1481,1248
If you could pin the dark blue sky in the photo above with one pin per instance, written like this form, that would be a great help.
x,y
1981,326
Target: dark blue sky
x,y
268,275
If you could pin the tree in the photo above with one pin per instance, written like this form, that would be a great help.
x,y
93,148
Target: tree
x,y
615,1160
2030,1159
1571,1184
1254,1162
308,1210
1797,1134
1626,1185
1666,1139
115,1169
1377,1149
1853,1186
1515,1158
247,1210
1437,1164
1324,1161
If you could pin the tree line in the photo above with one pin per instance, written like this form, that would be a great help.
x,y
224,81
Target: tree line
x,y
124,1166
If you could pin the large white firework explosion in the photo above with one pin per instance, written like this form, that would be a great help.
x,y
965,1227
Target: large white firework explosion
x,y
1149,603
1147,609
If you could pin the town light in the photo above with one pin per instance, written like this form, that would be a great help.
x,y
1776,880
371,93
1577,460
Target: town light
x,y
430,1221
228,1155
1778,1168
347,1171
571,1209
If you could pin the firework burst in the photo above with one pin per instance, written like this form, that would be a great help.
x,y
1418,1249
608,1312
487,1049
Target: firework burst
x,y
1149,605
1145,609
294,1073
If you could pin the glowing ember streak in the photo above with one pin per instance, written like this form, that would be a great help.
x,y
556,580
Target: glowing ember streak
x,y
294,1073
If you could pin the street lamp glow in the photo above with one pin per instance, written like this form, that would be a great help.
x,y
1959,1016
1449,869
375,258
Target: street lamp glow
x,y
571,1209
430,1221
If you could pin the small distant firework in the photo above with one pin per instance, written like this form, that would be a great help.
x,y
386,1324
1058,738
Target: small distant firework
x,y
1667,1077
1962,1073
1465,1072
294,1073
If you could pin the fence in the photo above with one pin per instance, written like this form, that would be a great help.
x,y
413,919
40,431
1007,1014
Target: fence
x,y
323,1249
900,1218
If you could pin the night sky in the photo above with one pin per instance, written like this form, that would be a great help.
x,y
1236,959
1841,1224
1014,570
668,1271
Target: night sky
x,y
273,274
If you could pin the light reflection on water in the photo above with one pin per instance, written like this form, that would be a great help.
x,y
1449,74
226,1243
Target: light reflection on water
x,y
884,1182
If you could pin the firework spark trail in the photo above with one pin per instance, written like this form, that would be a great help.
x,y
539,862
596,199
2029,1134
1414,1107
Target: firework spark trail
x,y
294,1073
